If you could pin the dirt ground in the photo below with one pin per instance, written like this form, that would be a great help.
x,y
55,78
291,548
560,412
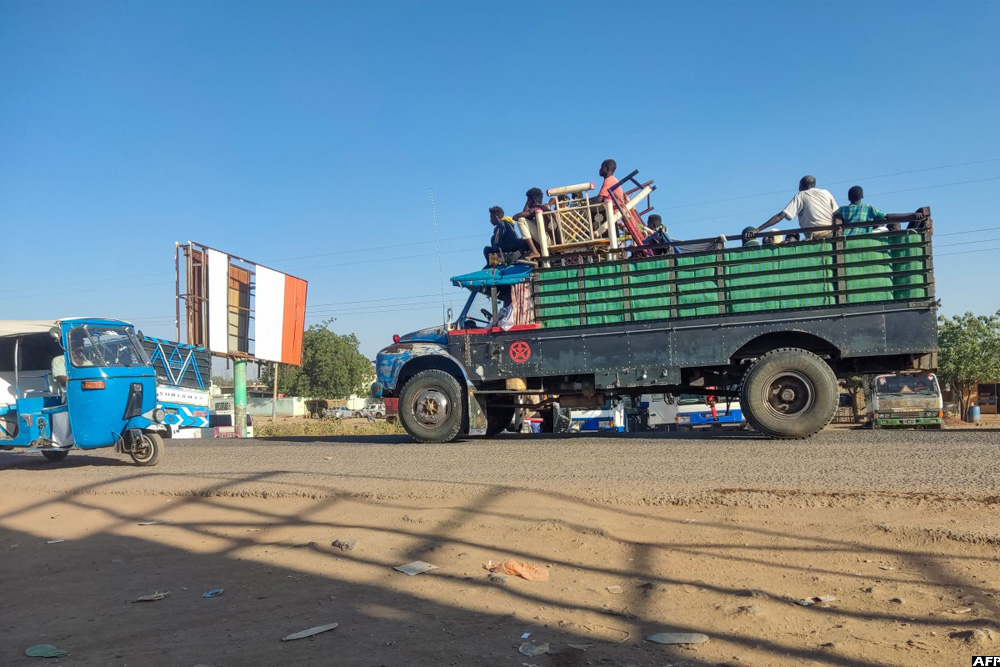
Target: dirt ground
x,y
915,575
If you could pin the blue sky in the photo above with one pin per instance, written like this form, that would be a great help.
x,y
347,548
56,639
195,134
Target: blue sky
x,y
308,135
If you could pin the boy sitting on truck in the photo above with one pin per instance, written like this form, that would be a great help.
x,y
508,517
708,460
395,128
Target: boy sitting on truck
x,y
505,242
857,211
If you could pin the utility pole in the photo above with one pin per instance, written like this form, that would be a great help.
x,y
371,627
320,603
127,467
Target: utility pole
x,y
274,393
240,396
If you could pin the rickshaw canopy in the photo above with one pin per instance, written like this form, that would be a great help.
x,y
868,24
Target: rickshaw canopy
x,y
493,277
11,328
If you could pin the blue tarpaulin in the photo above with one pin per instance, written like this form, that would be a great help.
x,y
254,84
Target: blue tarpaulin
x,y
500,275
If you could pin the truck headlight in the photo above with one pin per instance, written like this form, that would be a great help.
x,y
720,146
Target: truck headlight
x,y
159,415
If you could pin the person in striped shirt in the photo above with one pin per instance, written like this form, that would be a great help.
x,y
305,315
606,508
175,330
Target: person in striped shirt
x,y
857,212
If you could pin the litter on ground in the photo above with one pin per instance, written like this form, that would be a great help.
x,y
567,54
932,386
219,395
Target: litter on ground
x,y
310,632
416,567
214,592
678,638
822,599
533,649
152,597
518,569
45,651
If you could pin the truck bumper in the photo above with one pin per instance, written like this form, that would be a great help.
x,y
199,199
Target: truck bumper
x,y
909,422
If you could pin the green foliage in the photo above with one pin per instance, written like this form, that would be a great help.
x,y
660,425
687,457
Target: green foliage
x,y
324,427
969,353
332,366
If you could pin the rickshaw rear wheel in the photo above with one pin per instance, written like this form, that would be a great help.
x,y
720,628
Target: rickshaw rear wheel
x,y
146,452
55,455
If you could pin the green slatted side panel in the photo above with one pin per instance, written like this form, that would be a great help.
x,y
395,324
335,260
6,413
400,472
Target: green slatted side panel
x,y
650,290
553,309
556,286
774,267
870,282
757,279
688,293
908,248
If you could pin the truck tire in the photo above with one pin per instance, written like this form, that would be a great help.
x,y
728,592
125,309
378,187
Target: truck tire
x,y
430,406
789,393
497,420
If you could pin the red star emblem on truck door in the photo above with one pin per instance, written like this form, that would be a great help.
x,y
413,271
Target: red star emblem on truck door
x,y
520,351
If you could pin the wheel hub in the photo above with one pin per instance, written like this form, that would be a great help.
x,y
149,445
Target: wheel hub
x,y
789,394
431,407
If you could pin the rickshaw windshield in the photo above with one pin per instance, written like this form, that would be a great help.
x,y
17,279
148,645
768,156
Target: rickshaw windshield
x,y
105,346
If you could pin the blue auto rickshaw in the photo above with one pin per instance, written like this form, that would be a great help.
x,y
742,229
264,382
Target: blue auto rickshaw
x,y
81,383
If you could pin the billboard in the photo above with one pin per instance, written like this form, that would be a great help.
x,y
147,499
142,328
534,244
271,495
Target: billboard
x,y
238,308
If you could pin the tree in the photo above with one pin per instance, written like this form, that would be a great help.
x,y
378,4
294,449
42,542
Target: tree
x,y
332,366
969,353
857,385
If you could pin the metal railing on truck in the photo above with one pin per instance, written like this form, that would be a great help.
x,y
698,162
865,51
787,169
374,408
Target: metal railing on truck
x,y
842,269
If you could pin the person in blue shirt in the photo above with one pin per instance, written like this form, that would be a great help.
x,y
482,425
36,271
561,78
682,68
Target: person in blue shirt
x,y
857,212
659,236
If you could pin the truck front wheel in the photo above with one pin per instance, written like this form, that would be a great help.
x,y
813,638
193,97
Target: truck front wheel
x,y
789,394
430,406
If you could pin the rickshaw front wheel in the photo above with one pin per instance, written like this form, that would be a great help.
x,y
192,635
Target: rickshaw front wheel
x,y
146,452
55,454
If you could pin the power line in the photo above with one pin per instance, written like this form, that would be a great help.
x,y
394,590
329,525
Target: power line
x,y
966,252
966,231
877,194
391,298
362,309
381,247
850,180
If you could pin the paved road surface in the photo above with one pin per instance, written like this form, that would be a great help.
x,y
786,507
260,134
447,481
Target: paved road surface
x,y
627,469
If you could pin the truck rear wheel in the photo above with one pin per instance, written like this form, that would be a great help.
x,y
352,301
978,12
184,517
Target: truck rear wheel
x,y
497,420
789,393
430,406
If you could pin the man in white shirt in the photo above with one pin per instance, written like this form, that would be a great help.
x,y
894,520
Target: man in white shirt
x,y
813,206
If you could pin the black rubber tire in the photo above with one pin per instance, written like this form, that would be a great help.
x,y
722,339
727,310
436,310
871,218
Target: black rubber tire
x,y
802,375
55,455
378,415
443,383
148,452
497,420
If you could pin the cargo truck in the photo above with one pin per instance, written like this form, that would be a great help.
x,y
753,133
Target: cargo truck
x,y
778,323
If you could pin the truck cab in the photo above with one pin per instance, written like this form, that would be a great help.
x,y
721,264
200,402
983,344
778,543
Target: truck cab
x,y
911,400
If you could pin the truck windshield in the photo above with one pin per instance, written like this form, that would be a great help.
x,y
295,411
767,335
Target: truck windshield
x,y
690,399
105,346
471,316
905,385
